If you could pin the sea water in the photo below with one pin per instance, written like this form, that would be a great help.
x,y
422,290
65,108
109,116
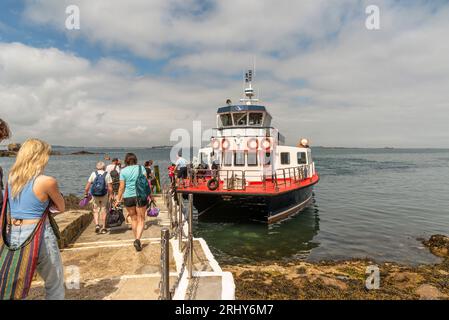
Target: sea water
x,y
369,203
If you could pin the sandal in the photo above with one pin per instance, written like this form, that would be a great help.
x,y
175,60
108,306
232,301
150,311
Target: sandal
x,y
97,228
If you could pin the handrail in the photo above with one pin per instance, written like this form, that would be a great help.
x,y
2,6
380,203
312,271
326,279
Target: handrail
x,y
176,232
233,179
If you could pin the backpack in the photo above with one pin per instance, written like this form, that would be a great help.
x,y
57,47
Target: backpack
x,y
115,217
115,176
143,189
99,187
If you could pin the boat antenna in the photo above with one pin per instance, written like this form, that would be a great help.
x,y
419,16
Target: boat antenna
x,y
249,90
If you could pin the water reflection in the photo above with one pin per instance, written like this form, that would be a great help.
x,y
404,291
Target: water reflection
x,y
248,240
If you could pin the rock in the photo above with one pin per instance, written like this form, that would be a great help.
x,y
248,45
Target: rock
x,y
334,282
7,154
83,153
429,292
14,147
438,245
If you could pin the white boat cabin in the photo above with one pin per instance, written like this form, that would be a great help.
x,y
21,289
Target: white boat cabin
x,y
245,145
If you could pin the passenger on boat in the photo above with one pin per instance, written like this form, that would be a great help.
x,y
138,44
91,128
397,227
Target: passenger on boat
x,y
99,185
171,173
181,167
30,193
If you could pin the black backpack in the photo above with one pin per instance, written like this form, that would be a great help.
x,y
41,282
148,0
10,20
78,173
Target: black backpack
x,y
115,176
115,218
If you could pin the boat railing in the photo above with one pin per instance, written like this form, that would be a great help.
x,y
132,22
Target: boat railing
x,y
245,131
247,180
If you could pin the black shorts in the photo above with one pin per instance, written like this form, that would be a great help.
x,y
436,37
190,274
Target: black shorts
x,y
135,202
182,173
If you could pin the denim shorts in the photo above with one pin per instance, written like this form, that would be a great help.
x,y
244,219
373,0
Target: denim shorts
x,y
49,264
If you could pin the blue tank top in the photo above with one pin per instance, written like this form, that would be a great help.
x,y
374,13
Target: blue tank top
x,y
26,206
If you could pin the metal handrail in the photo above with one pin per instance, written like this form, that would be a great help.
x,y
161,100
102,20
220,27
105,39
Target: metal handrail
x,y
175,210
280,177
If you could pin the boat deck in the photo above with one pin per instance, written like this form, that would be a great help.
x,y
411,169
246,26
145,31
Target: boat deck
x,y
253,188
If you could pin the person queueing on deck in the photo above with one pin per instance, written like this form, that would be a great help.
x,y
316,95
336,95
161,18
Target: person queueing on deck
x,y
4,134
29,194
181,167
135,206
99,185
114,172
171,174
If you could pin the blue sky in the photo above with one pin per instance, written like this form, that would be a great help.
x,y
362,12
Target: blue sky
x,y
146,68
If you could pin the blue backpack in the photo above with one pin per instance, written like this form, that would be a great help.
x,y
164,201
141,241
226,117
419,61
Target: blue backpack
x,y
142,186
99,187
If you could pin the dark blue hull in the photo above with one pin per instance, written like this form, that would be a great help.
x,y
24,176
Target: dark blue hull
x,y
270,208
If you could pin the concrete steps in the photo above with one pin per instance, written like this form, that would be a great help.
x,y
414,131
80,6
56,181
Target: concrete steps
x,y
108,267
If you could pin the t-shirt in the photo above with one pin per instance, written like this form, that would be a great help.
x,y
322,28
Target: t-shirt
x,y
129,176
171,171
111,167
93,176
181,163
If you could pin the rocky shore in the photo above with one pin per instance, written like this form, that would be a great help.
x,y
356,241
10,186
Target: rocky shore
x,y
333,280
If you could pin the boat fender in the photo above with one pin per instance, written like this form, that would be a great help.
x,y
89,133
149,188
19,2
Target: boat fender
x,y
212,184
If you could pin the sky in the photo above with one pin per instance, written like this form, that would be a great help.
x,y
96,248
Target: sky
x,y
138,69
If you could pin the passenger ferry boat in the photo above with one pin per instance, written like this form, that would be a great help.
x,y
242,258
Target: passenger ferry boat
x,y
247,167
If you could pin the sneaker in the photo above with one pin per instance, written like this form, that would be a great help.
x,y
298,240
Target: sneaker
x,y
97,228
137,245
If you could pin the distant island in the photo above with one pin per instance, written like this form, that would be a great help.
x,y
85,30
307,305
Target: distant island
x,y
13,149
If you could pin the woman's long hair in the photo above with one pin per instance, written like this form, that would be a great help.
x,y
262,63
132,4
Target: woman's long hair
x,y
31,161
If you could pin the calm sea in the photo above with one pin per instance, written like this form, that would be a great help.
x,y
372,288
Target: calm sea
x,y
371,203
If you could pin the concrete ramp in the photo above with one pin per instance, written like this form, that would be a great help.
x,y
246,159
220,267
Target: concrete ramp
x,y
107,267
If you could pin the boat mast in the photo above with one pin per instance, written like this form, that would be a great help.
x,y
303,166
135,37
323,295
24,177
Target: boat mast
x,y
249,90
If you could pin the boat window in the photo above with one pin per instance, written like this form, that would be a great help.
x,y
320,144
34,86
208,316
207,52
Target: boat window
x,y
302,159
255,119
239,158
252,158
240,119
285,157
227,158
226,120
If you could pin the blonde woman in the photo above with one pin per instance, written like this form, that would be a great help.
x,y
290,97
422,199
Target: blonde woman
x,y
30,193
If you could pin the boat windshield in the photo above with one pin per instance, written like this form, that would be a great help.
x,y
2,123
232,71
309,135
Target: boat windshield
x,y
255,119
240,119
226,120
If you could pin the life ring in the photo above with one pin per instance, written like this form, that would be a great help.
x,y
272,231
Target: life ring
x,y
225,144
266,144
212,184
251,142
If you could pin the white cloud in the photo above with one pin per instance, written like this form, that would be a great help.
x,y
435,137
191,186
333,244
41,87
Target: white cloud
x,y
321,73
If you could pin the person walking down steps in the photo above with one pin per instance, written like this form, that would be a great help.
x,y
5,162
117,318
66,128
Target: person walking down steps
x,y
99,185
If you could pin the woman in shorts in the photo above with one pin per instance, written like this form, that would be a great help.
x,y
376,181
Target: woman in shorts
x,y
135,206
